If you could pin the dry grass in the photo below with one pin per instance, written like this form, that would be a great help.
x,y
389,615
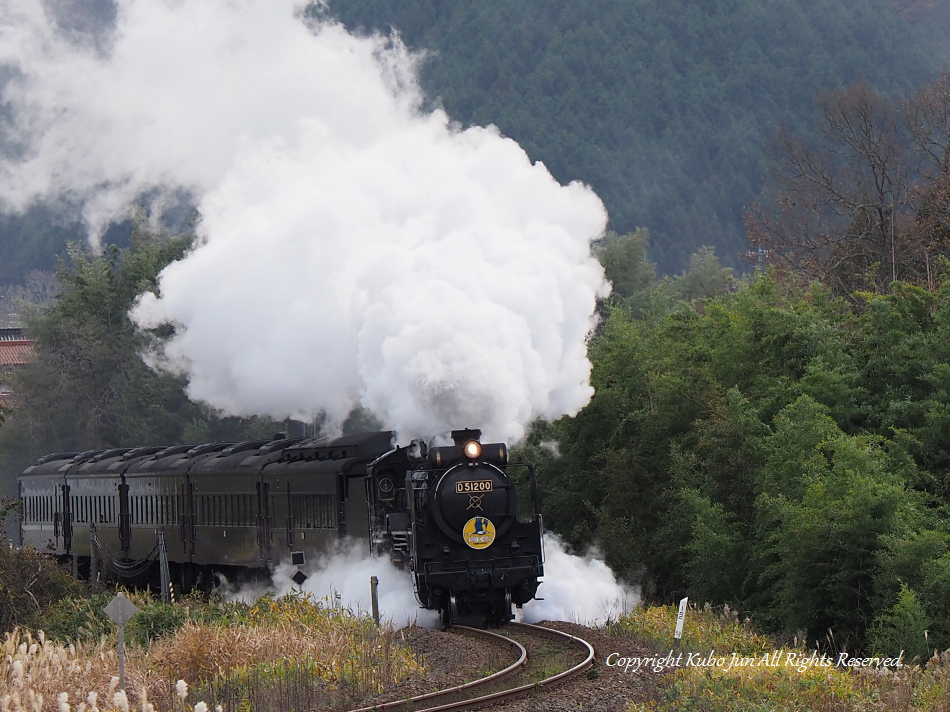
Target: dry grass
x,y
783,687
281,654
789,689
702,629
34,672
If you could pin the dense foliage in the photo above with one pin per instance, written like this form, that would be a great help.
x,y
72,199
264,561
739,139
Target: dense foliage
x,y
782,447
773,448
663,107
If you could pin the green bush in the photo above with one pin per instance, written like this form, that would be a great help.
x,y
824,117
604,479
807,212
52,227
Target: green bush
x,y
153,621
30,582
74,618
83,618
902,627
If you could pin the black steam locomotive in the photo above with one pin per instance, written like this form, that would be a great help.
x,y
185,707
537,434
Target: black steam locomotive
x,y
450,514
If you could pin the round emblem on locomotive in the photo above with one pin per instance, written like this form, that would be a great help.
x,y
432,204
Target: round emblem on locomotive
x,y
478,532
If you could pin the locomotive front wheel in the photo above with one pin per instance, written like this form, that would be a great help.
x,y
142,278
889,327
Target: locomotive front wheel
x,y
449,612
501,610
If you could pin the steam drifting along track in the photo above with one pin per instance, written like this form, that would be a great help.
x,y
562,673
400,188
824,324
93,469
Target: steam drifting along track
x,y
531,672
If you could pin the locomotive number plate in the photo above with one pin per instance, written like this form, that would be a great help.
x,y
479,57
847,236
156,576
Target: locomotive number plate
x,y
472,486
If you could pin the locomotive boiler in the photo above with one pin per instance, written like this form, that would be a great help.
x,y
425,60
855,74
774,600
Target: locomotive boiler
x,y
450,515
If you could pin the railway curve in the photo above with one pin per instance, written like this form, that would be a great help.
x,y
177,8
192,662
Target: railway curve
x,y
530,673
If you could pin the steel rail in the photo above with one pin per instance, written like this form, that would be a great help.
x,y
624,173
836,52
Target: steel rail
x,y
503,695
533,686
448,692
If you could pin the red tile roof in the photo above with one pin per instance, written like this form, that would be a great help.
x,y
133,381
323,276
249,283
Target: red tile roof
x,y
15,353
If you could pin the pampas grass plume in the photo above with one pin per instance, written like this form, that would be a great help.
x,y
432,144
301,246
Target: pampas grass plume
x,y
121,700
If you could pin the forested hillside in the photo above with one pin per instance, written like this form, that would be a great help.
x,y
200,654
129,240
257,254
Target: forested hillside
x,y
664,108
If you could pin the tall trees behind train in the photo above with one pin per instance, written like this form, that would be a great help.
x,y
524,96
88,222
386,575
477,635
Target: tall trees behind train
x,y
776,448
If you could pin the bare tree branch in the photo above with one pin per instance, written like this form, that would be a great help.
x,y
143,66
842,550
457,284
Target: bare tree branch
x,y
862,205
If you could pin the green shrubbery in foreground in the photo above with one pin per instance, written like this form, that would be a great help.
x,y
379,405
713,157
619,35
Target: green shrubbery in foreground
x,y
781,686
30,581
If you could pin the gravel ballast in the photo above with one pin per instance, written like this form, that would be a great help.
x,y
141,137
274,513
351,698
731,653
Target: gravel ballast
x,y
452,659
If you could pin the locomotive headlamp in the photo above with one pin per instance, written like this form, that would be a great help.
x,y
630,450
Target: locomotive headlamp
x,y
472,449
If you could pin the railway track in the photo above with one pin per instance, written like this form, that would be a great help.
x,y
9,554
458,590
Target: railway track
x,y
545,657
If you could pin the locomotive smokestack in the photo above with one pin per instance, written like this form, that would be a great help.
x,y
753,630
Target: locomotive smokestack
x,y
460,437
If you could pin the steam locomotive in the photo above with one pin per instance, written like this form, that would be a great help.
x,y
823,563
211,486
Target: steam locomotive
x,y
449,515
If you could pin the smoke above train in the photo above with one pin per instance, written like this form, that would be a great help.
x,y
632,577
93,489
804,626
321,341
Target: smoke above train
x,y
355,248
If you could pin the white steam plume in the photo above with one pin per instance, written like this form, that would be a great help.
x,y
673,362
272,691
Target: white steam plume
x,y
354,249
343,578
581,589
574,588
